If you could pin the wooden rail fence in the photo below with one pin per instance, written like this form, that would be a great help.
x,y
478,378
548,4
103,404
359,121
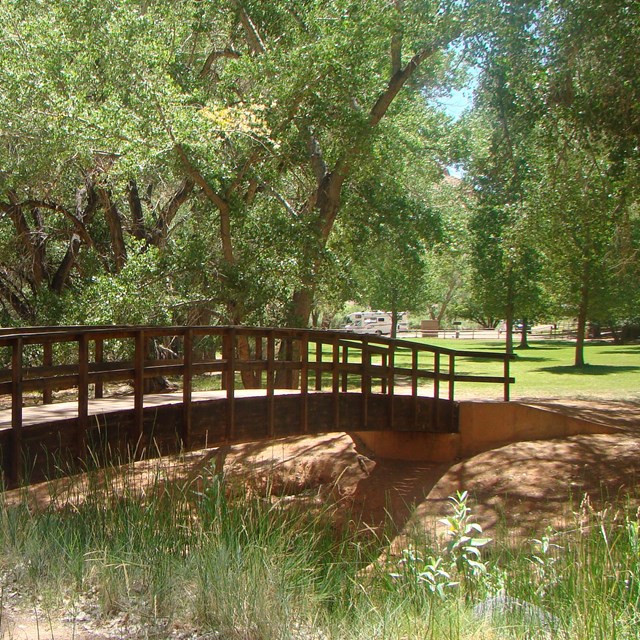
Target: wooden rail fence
x,y
263,382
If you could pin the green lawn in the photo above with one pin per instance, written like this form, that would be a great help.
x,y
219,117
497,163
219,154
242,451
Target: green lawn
x,y
546,370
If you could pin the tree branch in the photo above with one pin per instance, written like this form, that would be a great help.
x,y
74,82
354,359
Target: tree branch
x,y
220,203
216,54
253,37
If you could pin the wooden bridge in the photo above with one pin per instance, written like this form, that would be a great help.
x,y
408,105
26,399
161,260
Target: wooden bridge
x,y
75,396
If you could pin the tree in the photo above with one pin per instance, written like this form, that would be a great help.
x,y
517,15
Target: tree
x,y
566,105
253,119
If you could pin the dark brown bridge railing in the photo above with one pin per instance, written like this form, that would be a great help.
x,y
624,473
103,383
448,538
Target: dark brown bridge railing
x,y
93,361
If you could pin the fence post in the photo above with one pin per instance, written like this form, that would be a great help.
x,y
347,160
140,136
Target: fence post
x,y
230,377
365,384
99,352
271,381
47,361
258,373
335,381
452,375
506,377
187,385
16,410
414,386
345,374
318,368
391,384
304,381
138,384
83,394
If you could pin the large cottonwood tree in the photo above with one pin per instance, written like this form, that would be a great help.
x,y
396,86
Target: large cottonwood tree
x,y
246,122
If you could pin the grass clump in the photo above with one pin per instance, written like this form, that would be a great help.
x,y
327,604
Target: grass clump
x,y
206,554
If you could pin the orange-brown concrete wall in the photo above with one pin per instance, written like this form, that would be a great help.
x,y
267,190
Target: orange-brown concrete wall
x,y
482,426
412,445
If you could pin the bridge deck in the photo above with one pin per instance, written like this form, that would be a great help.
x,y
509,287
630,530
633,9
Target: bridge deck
x,y
46,413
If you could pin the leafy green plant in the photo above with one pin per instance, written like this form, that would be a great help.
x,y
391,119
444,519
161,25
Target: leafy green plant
x,y
465,540
458,564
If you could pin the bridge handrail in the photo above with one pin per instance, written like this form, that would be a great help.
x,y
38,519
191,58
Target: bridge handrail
x,y
310,361
301,359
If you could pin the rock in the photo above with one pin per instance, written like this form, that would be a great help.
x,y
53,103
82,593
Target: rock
x,y
513,611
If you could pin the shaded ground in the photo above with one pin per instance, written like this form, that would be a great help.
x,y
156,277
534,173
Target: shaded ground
x,y
523,487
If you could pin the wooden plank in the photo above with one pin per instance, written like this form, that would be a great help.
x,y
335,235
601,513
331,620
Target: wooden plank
x,y
345,362
304,382
391,385
259,359
187,382
230,377
288,354
47,362
335,382
98,389
271,381
138,382
16,410
507,379
318,367
365,381
452,376
83,395
436,389
414,387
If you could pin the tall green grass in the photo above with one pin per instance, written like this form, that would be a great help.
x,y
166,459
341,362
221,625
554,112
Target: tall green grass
x,y
258,567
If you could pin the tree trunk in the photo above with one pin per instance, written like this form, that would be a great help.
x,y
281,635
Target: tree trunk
x,y
394,321
582,318
509,323
523,335
114,220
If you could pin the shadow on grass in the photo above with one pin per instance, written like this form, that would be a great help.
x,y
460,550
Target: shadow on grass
x,y
522,358
550,344
590,369
627,350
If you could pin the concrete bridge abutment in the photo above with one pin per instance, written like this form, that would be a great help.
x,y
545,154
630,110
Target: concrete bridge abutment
x,y
481,426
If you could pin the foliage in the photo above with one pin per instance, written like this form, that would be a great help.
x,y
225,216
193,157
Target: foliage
x,y
458,564
242,129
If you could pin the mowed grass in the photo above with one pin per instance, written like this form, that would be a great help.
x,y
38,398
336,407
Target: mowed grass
x,y
546,370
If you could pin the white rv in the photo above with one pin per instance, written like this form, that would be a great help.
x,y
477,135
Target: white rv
x,y
377,322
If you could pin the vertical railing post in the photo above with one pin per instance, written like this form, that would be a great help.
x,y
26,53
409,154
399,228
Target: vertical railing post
x,y
365,384
435,409
319,345
452,376
98,389
436,375
385,373
47,361
288,355
187,386
414,386
83,394
506,377
304,381
230,384
391,384
138,384
16,410
335,381
271,381
258,374
345,373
